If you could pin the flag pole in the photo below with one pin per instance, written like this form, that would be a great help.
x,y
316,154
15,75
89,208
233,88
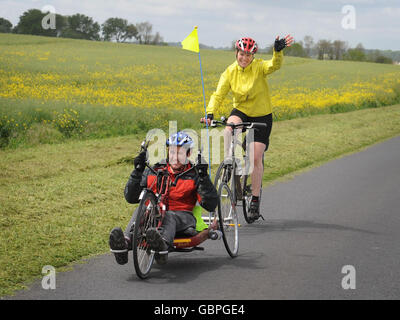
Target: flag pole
x,y
191,43
205,112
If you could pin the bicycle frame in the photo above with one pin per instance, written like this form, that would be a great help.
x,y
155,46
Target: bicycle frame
x,y
236,186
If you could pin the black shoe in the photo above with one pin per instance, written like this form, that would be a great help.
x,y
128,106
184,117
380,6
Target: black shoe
x,y
254,210
118,245
158,244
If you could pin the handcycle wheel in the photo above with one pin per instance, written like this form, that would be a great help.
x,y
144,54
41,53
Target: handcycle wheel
x,y
228,220
147,217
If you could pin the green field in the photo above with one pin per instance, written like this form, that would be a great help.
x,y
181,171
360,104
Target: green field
x,y
56,89
87,105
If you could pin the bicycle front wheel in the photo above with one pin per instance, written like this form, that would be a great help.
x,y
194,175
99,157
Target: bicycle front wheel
x,y
228,220
222,175
147,217
225,174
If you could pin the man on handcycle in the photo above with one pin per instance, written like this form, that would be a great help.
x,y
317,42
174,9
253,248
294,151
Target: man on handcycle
x,y
195,186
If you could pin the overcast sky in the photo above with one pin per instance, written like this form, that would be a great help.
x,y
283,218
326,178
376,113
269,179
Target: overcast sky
x,y
377,23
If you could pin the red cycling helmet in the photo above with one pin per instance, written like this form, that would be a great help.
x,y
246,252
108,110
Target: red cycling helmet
x,y
247,45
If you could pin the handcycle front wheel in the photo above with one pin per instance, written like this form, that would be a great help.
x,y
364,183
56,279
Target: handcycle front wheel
x,y
146,218
228,220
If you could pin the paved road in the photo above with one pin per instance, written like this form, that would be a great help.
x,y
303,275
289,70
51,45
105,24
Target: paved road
x,y
345,212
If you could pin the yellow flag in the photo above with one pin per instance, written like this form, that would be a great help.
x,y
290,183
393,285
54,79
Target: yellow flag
x,y
191,42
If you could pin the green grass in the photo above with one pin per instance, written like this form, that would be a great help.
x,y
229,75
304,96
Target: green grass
x,y
59,202
39,123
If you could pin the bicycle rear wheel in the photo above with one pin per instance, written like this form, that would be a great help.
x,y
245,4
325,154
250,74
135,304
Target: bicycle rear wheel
x,y
228,220
147,217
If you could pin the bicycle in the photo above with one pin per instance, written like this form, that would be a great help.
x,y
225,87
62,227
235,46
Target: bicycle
x,y
151,212
240,184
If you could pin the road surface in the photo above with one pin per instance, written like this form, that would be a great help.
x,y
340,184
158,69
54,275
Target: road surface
x,y
343,213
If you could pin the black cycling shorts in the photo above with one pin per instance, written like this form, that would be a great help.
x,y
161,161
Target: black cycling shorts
x,y
260,134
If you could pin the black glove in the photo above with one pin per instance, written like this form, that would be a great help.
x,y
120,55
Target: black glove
x,y
140,161
280,44
202,168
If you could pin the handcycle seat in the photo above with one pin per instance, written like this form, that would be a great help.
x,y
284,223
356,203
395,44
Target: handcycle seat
x,y
194,241
183,241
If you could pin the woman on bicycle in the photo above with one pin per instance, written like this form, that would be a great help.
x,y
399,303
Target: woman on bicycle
x,y
246,78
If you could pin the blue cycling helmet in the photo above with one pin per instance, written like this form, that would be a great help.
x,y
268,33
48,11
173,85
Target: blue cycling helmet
x,y
180,139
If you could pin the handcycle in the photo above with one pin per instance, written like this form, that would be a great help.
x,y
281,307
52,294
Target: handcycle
x,y
152,209
229,172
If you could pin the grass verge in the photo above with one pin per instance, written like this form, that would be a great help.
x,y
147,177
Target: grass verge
x,y
59,201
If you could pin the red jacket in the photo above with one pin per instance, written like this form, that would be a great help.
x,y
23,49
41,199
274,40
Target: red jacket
x,y
189,189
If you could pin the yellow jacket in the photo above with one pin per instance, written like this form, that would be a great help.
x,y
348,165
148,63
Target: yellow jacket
x,y
249,86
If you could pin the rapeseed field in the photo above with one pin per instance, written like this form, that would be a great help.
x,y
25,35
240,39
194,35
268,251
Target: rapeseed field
x,y
84,88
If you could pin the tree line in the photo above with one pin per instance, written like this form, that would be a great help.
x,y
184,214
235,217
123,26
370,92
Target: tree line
x,y
80,26
333,50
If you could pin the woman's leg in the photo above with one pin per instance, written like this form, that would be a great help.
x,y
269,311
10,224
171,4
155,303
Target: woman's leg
x,y
228,135
257,149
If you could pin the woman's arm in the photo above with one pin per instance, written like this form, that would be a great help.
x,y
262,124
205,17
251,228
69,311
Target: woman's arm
x,y
274,64
219,95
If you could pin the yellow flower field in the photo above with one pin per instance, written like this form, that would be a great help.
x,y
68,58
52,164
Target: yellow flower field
x,y
130,75
80,74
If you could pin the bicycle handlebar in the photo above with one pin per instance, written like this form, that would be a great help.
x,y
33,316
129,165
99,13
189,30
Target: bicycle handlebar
x,y
247,125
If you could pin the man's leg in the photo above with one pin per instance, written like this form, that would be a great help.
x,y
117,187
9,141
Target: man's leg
x,y
168,228
162,239
186,223
120,242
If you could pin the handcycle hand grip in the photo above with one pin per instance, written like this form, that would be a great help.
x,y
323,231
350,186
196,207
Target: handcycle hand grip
x,y
143,147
